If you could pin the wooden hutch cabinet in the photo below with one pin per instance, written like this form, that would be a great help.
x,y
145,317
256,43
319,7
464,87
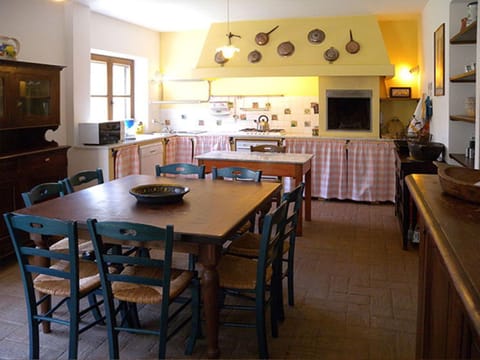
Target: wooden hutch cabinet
x,y
29,106
448,320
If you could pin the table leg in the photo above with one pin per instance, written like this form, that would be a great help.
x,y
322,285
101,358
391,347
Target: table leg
x,y
308,198
208,257
308,195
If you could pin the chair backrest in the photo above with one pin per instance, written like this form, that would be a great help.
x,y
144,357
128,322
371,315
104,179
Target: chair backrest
x,y
181,169
268,148
236,173
19,226
294,199
43,192
82,178
141,235
271,245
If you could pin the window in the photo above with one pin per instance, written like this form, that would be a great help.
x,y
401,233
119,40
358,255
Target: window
x,y
111,88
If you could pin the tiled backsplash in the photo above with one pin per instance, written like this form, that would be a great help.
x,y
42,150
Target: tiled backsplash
x,y
295,114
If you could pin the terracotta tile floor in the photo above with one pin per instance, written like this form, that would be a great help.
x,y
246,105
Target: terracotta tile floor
x,y
355,299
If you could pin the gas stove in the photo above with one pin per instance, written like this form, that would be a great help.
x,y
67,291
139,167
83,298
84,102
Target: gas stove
x,y
255,131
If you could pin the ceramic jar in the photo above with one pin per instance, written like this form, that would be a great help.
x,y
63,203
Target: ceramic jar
x,y
9,47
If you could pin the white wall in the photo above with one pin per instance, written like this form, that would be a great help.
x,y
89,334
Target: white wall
x,y
64,34
434,14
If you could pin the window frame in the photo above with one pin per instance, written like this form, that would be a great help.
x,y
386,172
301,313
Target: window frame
x,y
110,61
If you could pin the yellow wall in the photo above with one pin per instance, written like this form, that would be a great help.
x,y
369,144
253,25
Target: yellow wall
x,y
401,42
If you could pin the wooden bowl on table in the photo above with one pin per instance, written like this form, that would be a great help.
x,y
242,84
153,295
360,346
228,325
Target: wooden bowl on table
x,y
460,182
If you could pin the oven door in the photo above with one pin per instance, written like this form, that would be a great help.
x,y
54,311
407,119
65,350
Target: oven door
x,y
243,144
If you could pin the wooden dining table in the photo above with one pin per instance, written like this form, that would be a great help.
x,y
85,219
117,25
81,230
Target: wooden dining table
x,y
295,165
206,217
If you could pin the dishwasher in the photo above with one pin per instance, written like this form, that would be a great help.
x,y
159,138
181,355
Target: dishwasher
x,y
150,155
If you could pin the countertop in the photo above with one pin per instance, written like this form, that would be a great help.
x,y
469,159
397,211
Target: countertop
x,y
146,138
256,156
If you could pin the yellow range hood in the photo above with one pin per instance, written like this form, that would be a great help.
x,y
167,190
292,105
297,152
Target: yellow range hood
x,y
308,58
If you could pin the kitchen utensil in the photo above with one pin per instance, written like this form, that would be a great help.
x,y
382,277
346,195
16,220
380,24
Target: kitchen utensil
x,y
429,151
262,123
286,48
352,46
159,193
262,38
219,58
316,36
254,56
331,54
458,181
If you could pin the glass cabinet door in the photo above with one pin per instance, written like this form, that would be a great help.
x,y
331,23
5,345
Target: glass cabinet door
x,y
4,119
36,103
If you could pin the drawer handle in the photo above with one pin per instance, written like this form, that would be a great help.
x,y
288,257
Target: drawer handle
x,y
47,159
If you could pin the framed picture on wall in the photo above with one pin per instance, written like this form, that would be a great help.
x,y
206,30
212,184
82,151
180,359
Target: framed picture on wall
x,y
400,92
439,60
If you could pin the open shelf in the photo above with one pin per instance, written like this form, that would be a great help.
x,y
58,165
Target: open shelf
x,y
465,118
464,161
468,76
468,35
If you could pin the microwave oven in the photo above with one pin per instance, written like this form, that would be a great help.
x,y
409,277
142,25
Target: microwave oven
x,y
100,133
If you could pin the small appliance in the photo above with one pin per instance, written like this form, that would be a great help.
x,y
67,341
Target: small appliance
x,y
100,133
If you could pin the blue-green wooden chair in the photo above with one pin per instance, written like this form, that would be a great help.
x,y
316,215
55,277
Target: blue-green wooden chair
x,y
139,280
181,169
258,280
248,244
81,178
43,192
69,278
236,173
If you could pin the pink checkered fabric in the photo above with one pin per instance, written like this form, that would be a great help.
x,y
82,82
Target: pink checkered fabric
x,y
179,150
207,143
329,176
371,170
127,161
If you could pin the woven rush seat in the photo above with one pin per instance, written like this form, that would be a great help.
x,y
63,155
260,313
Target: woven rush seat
x,y
89,279
248,245
62,246
240,273
145,294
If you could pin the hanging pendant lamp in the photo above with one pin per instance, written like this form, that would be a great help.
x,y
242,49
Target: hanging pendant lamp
x,y
229,50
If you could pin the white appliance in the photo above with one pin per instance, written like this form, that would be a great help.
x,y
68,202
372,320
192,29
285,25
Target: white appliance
x,y
150,155
244,143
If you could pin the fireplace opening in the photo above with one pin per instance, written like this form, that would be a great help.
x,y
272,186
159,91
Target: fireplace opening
x,y
349,110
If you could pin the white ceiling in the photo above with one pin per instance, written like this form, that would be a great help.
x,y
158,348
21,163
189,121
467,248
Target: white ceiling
x,y
181,15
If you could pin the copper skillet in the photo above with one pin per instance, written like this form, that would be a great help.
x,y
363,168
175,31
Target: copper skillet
x,y
262,38
352,46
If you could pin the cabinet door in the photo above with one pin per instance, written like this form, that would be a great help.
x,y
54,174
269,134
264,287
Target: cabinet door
x,y
4,116
48,166
36,100
8,189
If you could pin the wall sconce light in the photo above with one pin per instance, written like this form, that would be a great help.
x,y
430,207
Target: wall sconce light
x,y
229,50
414,70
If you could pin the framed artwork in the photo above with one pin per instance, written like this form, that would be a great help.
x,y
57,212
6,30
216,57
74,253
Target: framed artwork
x,y
439,60
400,92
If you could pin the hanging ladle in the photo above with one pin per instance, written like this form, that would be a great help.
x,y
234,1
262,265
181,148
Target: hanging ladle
x,y
262,38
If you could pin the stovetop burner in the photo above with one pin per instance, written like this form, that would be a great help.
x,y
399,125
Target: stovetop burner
x,y
262,131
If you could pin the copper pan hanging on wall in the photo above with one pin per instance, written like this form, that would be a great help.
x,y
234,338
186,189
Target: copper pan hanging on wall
x,y
286,48
316,36
262,38
352,46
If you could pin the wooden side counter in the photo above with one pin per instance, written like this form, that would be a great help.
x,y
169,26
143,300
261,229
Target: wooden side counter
x,y
448,319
